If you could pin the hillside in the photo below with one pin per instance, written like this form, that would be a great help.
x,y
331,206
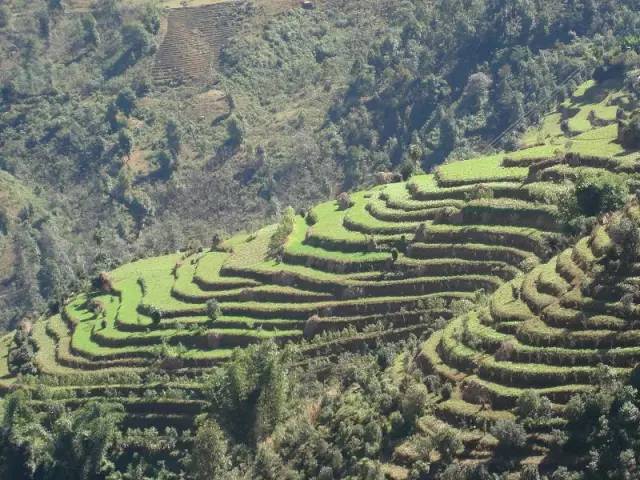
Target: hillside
x,y
144,127
394,262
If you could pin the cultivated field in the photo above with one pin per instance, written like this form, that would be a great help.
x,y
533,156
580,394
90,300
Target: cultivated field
x,y
400,256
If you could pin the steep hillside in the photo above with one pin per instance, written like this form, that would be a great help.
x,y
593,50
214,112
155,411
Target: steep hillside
x,y
378,265
197,33
547,333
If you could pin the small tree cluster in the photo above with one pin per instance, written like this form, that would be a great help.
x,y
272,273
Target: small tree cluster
x,y
21,358
280,236
344,201
214,312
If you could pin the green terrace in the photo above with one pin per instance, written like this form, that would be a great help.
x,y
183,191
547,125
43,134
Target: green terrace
x,y
383,264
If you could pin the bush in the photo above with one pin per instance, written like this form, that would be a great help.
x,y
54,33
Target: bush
x,y
311,218
155,314
407,170
414,401
216,240
511,435
480,191
280,236
629,133
213,309
136,37
446,391
5,16
533,406
448,443
344,201
601,193
397,424
126,101
530,472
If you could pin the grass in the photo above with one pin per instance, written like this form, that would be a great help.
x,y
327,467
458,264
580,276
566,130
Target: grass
x,y
478,170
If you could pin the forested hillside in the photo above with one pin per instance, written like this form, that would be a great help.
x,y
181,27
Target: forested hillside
x,y
105,164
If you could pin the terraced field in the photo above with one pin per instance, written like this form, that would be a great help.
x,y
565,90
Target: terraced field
x,y
401,256
541,332
197,31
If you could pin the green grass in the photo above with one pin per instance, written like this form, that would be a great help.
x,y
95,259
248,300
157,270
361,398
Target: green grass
x,y
477,170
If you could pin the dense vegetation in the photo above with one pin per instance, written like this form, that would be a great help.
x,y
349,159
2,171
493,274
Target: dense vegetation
x,y
475,322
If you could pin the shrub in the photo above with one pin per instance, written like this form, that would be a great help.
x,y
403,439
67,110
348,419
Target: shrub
x,y
601,193
446,391
383,178
344,201
626,235
511,435
505,351
280,236
311,218
407,170
155,314
448,443
533,406
104,282
528,264
629,133
480,191
414,401
5,16
143,285
213,309
126,101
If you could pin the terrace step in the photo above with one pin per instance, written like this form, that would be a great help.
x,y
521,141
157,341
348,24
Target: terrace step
x,y
471,251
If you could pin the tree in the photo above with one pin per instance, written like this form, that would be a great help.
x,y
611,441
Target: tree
x,y
174,137
126,101
151,19
414,401
125,142
214,312
448,443
210,455
511,436
283,230
112,117
25,446
235,131
137,39
629,132
601,193
5,16
272,401
55,5
533,406
85,439
90,29
165,163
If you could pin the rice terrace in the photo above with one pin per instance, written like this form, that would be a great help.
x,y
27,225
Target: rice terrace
x,y
452,301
